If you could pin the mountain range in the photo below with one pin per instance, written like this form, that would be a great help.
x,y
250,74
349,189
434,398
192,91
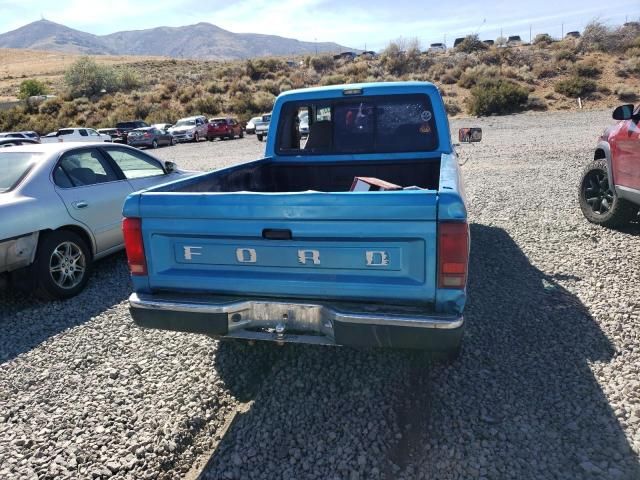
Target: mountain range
x,y
202,41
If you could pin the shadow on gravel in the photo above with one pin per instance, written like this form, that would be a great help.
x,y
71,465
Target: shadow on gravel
x,y
522,402
26,321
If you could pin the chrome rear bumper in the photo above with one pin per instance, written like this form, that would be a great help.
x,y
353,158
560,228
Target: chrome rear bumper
x,y
295,321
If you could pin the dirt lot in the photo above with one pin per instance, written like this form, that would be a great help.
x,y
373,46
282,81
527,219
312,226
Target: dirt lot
x,y
547,385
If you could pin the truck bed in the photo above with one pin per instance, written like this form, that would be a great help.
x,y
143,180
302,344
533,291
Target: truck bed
x,y
271,176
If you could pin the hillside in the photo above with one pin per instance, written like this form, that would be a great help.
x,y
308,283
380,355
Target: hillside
x,y
547,76
202,41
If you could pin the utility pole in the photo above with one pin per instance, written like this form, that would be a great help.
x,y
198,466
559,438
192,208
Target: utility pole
x,y
316,42
530,27
562,34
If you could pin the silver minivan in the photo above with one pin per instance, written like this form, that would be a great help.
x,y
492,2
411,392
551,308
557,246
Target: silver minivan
x,y
190,129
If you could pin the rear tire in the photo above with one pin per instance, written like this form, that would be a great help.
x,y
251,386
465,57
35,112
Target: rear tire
x,y
241,134
196,138
154,144
62,265
173,141
598,203
259,137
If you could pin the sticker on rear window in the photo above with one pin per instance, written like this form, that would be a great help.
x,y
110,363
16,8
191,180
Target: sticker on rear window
x,y
425,116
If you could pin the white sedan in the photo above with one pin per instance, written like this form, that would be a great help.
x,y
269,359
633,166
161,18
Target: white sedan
x,y
75,135
61,209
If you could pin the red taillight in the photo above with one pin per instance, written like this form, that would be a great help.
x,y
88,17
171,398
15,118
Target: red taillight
x,y
453,254
147,135
132,230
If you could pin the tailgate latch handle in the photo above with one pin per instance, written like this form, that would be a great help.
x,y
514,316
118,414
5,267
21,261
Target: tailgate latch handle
x,y
276,234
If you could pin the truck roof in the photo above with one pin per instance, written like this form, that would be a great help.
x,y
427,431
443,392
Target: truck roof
x,y
371,88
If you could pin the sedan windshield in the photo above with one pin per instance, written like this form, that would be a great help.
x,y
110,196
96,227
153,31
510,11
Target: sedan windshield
x,y
14,166
185,123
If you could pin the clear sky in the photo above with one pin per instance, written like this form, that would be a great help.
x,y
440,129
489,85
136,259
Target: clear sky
x,y
353,23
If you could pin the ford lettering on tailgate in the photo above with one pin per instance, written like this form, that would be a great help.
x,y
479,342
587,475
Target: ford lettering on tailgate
x,y
329,256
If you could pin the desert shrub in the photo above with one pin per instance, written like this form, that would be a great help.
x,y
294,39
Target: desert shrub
x,y
128,79
633,52
13,119
164,114
471,76
186,95
400,57
490,57
239,85
356,71
448,78
259,68
322,63
625,93
31,87
542,71
633,65
337,79
206,105
587,70
263,101
141,108
452,107
270,86
470,44
542,39
43,124
567,55
51,106
497,96
86,78
536,103
600,37
284,85
575,87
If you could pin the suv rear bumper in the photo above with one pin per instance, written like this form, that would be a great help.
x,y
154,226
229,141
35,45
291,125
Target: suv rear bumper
x,y
296,321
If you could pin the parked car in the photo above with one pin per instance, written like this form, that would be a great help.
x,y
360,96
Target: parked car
x,y
223,128
75,135
23,134
112,132
262,127
14,141
514,41
65,202
280,249
574,34
609,193
150,137
162,126
123,129
303,123
190,129
250,129
437,48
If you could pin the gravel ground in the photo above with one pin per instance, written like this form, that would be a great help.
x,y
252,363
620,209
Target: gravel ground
x,y
547,386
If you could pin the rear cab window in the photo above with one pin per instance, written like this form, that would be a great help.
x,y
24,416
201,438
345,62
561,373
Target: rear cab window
x,y
369,124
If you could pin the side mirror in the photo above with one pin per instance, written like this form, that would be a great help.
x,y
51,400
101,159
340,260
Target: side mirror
x,y
170,166
469,135
623,112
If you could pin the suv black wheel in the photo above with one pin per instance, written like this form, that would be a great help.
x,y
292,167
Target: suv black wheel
x,y
154,144
62,265
599,204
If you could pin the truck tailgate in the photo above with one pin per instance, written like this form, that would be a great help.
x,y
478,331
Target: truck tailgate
x,y
353,246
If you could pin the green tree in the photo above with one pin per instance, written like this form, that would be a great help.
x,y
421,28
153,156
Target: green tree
x,y
31,87
86,78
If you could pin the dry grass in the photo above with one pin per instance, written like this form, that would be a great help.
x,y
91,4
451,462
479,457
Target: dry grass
x,y
17,65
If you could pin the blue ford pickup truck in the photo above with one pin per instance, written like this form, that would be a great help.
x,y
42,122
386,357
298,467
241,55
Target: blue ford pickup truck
x,y
285,249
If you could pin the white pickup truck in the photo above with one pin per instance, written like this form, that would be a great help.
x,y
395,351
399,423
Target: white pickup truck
x,y
75,135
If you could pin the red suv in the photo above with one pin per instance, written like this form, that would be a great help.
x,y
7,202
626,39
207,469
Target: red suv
x,y
223,128
610,186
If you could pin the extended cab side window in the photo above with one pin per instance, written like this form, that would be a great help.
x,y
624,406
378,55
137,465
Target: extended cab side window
x,y
83,132
135,164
